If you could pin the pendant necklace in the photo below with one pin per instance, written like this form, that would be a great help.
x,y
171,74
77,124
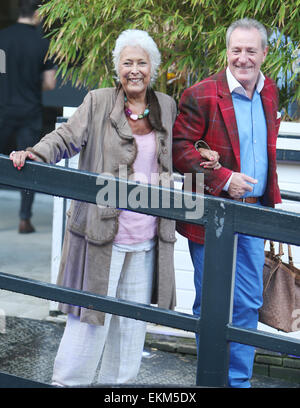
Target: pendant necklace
x,y
135,116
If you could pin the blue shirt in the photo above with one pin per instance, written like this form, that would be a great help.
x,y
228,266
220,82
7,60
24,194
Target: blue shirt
x,y
252,130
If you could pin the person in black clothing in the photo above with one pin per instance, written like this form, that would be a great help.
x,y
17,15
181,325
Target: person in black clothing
x,y
26,75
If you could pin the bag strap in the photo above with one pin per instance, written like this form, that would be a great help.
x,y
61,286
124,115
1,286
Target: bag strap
x,y
273,269
290,255
201,143
272,248
277,258
281,251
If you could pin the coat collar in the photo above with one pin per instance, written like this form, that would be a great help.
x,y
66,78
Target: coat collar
x,y
118,117
235,86
227,111
268,97
120,122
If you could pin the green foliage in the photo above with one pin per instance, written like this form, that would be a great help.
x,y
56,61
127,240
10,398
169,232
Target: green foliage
x,y
189,33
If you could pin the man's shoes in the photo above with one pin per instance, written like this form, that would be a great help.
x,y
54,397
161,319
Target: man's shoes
x,y
25,227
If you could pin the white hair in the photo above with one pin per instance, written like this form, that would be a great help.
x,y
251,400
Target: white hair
x,y
140,38
248,24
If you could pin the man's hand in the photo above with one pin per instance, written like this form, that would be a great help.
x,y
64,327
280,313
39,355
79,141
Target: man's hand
x,y
239,185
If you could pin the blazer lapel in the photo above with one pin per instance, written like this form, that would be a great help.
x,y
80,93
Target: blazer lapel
x,y
267,102
227,111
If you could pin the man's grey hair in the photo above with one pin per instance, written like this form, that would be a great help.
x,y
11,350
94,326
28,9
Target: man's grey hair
x,y
248,24
137,38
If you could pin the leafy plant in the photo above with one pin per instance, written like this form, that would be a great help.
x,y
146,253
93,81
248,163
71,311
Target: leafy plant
x,y
190,35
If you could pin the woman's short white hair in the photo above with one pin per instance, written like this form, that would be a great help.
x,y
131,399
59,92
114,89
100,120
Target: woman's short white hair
x,y
140,38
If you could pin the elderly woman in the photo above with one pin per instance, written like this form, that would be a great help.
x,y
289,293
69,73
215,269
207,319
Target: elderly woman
x,y
107,251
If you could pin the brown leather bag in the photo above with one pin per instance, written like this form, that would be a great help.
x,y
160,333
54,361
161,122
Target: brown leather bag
x,y
281,294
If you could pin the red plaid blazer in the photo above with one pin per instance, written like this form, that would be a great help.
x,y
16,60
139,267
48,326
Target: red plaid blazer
x,y
206,112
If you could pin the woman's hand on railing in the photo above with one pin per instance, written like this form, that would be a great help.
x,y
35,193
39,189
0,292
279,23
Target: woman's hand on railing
x,y
18,158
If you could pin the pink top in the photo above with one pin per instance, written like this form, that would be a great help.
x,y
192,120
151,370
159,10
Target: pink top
x,y
135,227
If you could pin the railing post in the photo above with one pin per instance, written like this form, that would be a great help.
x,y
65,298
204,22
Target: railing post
x,y
217,296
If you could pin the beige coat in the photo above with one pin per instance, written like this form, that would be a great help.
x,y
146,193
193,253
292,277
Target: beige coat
x,y
100,131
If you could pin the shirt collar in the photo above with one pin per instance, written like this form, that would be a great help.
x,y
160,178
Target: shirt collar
x,y
235,86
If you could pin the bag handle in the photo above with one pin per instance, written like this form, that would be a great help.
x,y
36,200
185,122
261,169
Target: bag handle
x,y
201,144
290,255
281,252
272,248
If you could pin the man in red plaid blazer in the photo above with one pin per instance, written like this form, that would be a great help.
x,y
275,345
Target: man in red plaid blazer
x,y
235,113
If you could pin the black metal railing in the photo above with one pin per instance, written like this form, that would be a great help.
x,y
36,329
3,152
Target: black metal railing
x,y
223,220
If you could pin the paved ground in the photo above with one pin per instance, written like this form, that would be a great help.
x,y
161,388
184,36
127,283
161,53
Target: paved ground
x,y
29,346
29,343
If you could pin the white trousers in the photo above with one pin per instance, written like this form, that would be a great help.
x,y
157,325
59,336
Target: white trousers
x,y
120,341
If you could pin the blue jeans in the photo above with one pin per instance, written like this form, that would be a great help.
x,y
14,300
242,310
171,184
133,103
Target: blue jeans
x,y
247,300
27,134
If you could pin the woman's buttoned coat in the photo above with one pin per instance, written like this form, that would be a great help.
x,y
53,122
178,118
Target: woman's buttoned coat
x,y
100,131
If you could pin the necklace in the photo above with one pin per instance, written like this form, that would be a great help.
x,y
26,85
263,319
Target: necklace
x,y
135,116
